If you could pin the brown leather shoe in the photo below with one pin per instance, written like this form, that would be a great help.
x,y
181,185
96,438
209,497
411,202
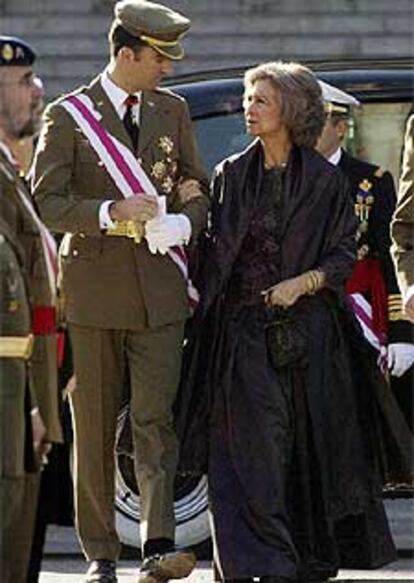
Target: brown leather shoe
x,y
162,568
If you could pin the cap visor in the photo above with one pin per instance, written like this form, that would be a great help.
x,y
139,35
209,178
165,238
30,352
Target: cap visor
x,y
176,52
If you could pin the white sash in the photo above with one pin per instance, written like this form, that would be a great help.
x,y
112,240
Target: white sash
x,y
363,311
125,170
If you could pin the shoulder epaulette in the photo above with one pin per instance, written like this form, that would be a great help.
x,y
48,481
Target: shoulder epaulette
x,y
61,98
168,93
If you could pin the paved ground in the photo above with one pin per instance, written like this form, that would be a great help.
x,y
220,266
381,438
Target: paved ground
x,y
63,563
65,570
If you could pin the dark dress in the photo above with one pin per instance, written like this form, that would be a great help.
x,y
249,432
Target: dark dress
x,y
286,456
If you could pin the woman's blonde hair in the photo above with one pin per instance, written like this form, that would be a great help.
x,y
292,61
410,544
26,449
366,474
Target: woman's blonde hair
x,y
302,107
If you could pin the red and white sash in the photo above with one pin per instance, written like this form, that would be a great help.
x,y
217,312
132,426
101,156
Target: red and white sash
x,y
48,242
363,311
125,170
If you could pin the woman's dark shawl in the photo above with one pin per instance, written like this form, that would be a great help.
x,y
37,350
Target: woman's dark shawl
x,y
318,232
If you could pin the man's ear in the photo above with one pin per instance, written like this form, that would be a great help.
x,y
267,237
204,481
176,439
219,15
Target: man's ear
x,y
126,54
342,128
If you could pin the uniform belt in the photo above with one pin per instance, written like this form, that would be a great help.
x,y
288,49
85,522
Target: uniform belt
x,y
126,229
43,320
16,346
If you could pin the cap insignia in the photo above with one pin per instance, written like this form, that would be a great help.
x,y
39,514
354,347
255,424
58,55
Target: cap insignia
x,y
7,52
19,53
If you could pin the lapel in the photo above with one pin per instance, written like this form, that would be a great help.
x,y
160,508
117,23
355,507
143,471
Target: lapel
x,y
13,175
152,112
110,119
7,167
343,163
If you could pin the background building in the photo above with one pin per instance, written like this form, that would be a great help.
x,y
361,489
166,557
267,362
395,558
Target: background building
x,y
70,35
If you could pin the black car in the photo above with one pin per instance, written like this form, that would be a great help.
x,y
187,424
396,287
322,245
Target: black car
x,y
386,92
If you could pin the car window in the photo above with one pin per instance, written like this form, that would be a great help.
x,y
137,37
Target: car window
x,y
376,135
220,136
379,134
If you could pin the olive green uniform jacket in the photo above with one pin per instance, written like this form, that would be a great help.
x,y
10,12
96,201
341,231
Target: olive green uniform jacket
x,y
402,226
27,374
18,479
112,282
43,361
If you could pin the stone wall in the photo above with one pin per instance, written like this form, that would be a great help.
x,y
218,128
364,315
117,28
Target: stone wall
x,y
70,36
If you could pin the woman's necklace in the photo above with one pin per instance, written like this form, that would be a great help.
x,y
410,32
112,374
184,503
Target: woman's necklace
x,y
271,161
275,165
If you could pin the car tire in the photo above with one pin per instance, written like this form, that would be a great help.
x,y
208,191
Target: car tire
x,y
190,505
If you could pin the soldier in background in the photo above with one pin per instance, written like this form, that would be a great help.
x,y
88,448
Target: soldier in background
x,y
29,420
402,227
373,286
18,464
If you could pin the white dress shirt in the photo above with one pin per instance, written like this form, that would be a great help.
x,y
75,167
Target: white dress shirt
x,y
117,97
335,157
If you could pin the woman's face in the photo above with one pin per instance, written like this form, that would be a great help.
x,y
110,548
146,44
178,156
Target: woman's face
x,y
262,109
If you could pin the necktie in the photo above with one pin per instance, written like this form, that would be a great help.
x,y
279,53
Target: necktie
x,y
128,120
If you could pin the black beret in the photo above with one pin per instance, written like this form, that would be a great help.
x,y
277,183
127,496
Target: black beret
x,y
14,52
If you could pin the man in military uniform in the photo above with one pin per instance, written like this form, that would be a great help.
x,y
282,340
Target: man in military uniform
x,y
17,454
28,422
373,279
402,226
126,296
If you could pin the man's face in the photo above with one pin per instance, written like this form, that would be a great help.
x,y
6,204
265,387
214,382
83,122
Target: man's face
x,y
147,68
21,102
332,135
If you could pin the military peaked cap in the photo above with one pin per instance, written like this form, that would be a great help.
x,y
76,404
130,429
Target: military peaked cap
x,y
158,26
336,100
14,52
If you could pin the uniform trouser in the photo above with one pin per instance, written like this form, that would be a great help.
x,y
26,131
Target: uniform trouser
x,y
19,478
154,360
18,501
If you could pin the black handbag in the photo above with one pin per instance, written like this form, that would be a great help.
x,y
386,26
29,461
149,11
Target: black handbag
x,y
287,337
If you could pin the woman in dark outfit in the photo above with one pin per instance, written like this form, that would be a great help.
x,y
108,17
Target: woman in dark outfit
x,y
270,357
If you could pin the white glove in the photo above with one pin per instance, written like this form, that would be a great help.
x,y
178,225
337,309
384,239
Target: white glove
x,y
166,231
400,358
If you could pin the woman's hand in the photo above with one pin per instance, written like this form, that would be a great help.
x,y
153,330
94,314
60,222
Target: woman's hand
x,y
286,293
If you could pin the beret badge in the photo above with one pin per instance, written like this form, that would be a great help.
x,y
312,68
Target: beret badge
x,y
7,52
